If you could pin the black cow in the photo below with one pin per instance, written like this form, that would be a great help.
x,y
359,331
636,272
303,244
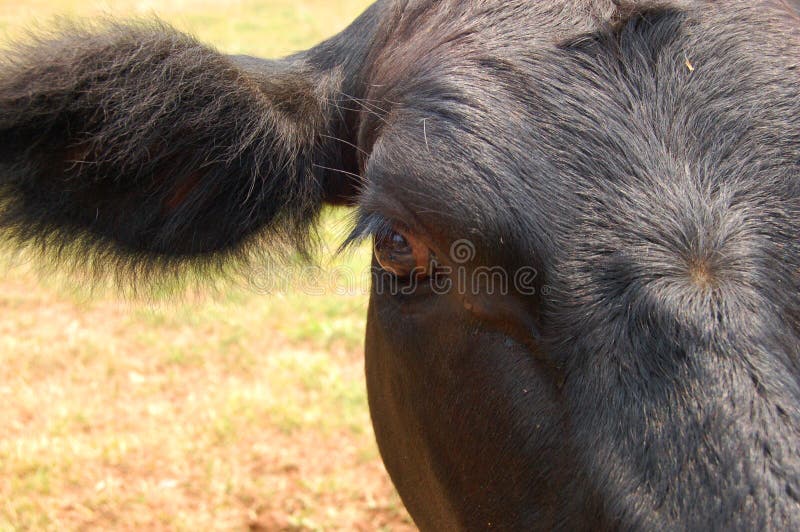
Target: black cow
x,y
640,157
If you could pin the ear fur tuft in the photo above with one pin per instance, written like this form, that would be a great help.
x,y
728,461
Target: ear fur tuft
x,y
136,149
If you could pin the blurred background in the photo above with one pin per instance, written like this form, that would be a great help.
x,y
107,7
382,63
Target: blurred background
x,y
224,408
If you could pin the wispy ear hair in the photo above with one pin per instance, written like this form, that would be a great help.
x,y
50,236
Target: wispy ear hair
x,y
134,149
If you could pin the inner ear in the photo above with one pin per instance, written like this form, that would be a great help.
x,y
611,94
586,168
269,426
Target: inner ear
x,y
342,169
342,187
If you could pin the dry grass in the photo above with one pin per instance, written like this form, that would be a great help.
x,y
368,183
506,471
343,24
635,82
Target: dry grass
x,y
200,415
229,410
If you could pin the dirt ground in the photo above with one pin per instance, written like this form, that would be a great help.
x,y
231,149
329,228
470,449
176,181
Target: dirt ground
x,y
181,416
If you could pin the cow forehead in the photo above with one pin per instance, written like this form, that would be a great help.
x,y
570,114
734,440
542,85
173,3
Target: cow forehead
x,y
523,143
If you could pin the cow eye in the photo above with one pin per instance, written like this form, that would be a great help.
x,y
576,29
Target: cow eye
x,y
399,252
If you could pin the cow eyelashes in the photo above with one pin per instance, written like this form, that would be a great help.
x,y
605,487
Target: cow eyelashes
x,y
397,249
402,254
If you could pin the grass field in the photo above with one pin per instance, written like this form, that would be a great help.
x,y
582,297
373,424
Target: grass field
x,y
227,409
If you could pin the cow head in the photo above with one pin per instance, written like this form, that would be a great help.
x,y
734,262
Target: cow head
x,y
585,308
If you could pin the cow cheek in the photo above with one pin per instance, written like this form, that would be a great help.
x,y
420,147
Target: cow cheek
x,y
460,413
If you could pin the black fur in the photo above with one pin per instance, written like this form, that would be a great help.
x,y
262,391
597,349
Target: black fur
x,y
137,147
641,156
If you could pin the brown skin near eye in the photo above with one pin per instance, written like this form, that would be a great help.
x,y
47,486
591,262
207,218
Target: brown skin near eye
x,y
403,255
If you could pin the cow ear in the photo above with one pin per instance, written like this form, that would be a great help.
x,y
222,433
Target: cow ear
x,y
136,145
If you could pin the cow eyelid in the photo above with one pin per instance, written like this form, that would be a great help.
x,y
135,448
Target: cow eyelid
x,y
367,225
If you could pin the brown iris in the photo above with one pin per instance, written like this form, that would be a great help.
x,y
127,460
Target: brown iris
x,y
404,255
